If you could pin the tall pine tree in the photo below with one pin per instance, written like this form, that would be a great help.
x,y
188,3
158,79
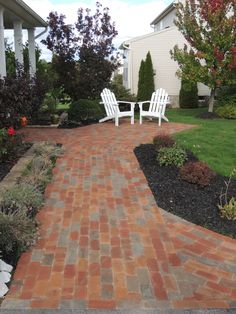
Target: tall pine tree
x,y
149,77
141,82
146,79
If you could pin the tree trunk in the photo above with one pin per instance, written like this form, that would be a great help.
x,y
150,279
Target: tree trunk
x,y
211,100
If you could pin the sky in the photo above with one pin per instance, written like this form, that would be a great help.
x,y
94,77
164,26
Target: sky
x,y
132,17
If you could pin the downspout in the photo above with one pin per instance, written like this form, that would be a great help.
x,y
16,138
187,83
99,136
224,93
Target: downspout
x,y
130,66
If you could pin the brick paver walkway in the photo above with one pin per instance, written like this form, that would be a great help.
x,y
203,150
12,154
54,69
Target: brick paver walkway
x,y
104,242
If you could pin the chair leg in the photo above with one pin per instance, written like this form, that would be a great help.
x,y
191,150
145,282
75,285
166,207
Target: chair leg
x,y
116,121
159,123
140,119
132,119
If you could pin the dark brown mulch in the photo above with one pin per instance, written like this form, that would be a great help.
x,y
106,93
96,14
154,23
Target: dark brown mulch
x,y
186,200
6,165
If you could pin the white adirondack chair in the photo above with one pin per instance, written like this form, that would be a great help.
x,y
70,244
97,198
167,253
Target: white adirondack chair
x,y
112,107
157,106
5,276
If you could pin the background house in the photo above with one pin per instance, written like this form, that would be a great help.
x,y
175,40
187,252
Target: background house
x,y
159,43
17,15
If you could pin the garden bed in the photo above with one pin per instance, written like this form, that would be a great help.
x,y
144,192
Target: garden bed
x,y
189,201
7,165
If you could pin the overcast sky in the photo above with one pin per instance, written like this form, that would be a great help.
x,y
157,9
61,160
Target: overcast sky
x,y
132,17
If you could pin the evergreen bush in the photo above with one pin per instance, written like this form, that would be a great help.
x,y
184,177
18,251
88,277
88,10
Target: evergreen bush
x,y
84,111
188,96
146,79
141,82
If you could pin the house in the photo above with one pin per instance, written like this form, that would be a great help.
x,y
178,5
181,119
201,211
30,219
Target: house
x,y
164,37
16,15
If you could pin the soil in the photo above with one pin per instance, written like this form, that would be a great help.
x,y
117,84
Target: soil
x,y
186,200
6,165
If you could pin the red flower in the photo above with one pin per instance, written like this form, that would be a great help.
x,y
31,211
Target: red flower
x,y
11,131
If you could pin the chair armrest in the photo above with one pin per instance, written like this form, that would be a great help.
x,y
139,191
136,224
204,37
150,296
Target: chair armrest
x,y
115,104
140,103
144,102
132,103
126,102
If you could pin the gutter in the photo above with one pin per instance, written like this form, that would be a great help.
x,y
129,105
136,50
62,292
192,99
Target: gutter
x,y
126,47
31,12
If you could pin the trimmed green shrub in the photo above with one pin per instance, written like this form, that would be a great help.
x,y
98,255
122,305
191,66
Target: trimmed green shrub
x,y
227,111
226,95
22,197
197,172
163,140
172,156
188,95
84,110
17,233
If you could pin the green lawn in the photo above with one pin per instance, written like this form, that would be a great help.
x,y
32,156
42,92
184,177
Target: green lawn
x,y
64,106
214,141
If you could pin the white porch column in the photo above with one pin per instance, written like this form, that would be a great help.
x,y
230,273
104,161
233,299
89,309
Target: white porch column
x,y
18,41
32,57
2,46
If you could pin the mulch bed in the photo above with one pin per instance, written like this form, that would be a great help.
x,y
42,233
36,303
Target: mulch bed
x,y
6,165
186,200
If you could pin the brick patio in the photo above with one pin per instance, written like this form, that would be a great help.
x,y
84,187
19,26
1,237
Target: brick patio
x,y
104,242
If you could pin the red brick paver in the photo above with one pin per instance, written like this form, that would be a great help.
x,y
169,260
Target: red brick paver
x,y
105,243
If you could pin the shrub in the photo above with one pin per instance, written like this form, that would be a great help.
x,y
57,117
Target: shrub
x,y
84,111
17,233
20,95
119,90
196,172
163,140
9,144
48,150
228,210
226,94
188,96
38,173
22,197
227,111
171,156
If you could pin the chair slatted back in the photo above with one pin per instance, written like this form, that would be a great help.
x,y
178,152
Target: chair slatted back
x,y
109,101
158,101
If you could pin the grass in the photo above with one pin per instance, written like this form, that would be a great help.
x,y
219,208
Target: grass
x,y
212,142
63,106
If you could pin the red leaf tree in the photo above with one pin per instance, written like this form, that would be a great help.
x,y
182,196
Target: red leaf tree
x,y
209,27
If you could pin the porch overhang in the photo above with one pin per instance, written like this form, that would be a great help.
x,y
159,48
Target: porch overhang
x,y
19,10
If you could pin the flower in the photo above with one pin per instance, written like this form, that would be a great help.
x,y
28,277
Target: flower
x,y
23,121
11,131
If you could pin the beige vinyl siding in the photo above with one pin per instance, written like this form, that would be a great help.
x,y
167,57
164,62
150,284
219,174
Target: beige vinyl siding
x,y
159,44
167,21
